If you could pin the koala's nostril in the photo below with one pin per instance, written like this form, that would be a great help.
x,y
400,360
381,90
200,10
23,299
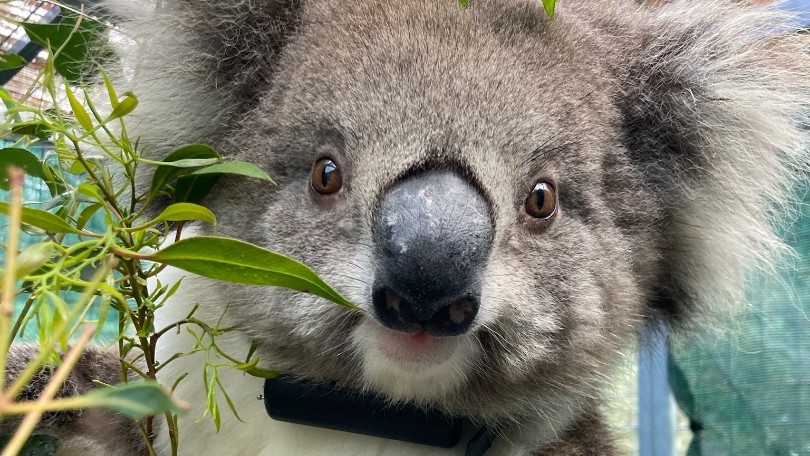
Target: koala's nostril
x,y
397,313
454,318
394,312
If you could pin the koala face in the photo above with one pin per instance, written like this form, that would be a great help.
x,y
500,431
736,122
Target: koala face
x,y
507,197
484,225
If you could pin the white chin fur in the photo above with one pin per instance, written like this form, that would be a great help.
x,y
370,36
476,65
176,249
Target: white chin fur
x,y
412,381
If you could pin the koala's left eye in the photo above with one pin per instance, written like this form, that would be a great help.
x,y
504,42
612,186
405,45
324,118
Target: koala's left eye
x,y
542,201
326,177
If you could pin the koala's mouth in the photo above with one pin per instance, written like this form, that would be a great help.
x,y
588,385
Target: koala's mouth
x,y
418,349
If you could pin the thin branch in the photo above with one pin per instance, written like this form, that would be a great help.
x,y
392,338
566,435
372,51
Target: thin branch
x,y
32,418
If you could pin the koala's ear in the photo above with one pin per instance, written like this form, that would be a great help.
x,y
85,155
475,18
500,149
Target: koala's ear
x,y
198,65
714,97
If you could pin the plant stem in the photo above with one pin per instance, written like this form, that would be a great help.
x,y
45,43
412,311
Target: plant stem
x,y
15,176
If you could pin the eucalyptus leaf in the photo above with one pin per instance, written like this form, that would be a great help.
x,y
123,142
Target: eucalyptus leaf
x,y
86,214
262,373
75,37
33,257
240,262
78,110
549,6
235,167
124,106
20,158
136,400
110,90
179,212
43,220
34,128
168,168
90,190
194,188
11,61
190,162
37,445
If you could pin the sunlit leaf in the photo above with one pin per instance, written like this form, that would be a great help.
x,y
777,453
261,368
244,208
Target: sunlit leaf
x,y
78,110
110,90
179,212
89,190
240,262
549,5
124,106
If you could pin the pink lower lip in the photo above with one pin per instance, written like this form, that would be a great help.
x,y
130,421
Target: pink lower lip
x,y
415,347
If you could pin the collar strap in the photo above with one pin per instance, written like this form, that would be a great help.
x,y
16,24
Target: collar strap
x,y
329,406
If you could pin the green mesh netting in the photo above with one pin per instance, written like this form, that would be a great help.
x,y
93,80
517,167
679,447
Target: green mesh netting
x,y
748,392
36,193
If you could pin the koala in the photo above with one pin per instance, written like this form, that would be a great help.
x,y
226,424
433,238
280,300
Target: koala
x,y
508,197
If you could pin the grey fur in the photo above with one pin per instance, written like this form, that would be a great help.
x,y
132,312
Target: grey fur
x,y
672,134
81,432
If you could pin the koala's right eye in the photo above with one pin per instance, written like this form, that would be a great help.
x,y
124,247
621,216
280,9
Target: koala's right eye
x,y
326,178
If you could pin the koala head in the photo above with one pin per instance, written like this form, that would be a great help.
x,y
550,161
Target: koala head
x,y
507,197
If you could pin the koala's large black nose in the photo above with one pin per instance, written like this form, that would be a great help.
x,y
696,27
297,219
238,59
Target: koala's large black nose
x,y
433,234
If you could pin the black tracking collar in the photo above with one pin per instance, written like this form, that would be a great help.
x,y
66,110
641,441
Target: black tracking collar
x,y
331,407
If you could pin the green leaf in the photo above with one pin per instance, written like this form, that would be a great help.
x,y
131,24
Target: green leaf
x,y
33,257
90,190
11,61
136,400
179,212
37,445
168,168
110,90
235,167
549,5
54,179
261,373
43,220
194,189
78,110
71,61
21,158
463,3
240,262
189,162
124,106
35,128
86,214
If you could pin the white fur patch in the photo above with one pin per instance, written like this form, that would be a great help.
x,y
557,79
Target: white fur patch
x,y
415,381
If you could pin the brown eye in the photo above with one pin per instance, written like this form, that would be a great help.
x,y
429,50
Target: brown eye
x,y
542,201
326,177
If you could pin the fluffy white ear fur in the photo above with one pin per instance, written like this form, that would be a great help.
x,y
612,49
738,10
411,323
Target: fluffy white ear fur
x,y
718,95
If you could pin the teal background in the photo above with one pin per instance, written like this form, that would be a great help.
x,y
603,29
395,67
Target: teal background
x,y
36,194
747,390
